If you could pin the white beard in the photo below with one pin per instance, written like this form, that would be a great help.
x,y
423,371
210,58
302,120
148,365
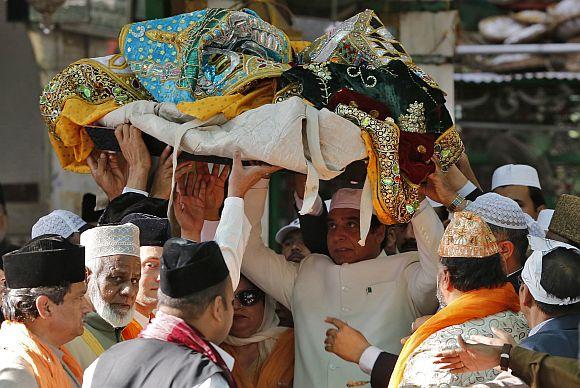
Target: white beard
x,y
105,311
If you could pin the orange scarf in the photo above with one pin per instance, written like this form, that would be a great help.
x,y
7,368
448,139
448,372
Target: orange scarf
x,y
46,366
276,371
471,305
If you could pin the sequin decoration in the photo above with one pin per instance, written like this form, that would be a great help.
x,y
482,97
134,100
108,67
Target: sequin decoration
x,y
95,81
362,40
448,148
414,120
395,199
170,56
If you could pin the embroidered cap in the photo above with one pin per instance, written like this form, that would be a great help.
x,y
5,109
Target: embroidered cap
x,y
498,210
515,174
564,221
467,235
60,222
111,240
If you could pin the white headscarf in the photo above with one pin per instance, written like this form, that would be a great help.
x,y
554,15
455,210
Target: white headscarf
x,y
267,333
532,272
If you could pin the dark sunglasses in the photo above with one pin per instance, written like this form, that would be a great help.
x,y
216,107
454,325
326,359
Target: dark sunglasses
x,y
249,298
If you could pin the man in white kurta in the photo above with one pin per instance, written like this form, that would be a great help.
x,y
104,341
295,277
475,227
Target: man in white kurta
x,y
380,296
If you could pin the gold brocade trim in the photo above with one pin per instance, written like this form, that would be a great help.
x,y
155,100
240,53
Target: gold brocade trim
x,y
395,199
448,148
294,89
414,120
467,235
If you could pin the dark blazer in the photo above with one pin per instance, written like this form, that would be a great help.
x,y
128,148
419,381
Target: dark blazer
x,y
559,337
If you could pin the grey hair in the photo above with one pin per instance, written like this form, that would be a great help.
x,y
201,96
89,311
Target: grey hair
x,y
19,304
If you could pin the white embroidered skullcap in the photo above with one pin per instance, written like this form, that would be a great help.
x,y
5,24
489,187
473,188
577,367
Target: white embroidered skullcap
x,y
283,232
346,199
498,210
532,272
61,222
111,240
515,174
545,217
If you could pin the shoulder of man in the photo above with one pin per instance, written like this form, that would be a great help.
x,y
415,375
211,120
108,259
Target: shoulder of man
x,y
15,371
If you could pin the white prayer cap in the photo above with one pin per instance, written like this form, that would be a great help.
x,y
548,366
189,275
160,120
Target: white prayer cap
x,y
515,174
111,240
498,210
61,222
545,217
283,232
532,272
346,199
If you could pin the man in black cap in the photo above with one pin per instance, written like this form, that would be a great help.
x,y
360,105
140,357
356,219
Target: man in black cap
x,y
195,310
44,306
153,234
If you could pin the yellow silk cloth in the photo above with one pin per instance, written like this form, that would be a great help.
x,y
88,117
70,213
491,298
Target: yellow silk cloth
x,y
299,45
471,305
46,366
231,105
277,370
76,144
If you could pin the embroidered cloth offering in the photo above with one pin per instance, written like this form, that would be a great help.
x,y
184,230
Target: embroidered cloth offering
x,y
217,64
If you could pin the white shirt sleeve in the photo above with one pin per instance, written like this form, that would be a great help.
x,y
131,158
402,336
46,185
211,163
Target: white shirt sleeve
x,y
466,189
208,230
215,381
422,279
136,191
15,372
316,208
88,374
368,359
264,267
232,236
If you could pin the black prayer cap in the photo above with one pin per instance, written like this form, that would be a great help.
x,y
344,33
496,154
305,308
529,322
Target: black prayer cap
x,y
188,267
128,203
153,231
48,260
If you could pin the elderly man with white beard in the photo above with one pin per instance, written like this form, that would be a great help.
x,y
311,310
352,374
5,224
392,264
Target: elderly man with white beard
x,y
114,269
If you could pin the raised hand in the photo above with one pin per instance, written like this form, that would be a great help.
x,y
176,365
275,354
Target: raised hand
x,y
243,178
344,341
189,206
136,154
215,191
161,186
108,172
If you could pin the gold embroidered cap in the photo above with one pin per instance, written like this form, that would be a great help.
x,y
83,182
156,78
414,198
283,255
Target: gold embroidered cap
x,y
467,235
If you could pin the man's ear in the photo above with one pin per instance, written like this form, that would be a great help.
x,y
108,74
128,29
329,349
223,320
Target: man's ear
x,y
506,249
446,281
217,308
528,299
379,233
43,305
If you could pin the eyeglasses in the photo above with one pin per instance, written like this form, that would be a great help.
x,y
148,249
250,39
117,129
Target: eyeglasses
x,y
249,298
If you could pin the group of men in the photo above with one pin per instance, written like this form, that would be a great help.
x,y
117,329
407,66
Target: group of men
x,y
124,304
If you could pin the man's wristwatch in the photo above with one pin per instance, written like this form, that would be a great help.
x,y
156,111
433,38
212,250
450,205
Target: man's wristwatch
x,y
504,357
458,204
